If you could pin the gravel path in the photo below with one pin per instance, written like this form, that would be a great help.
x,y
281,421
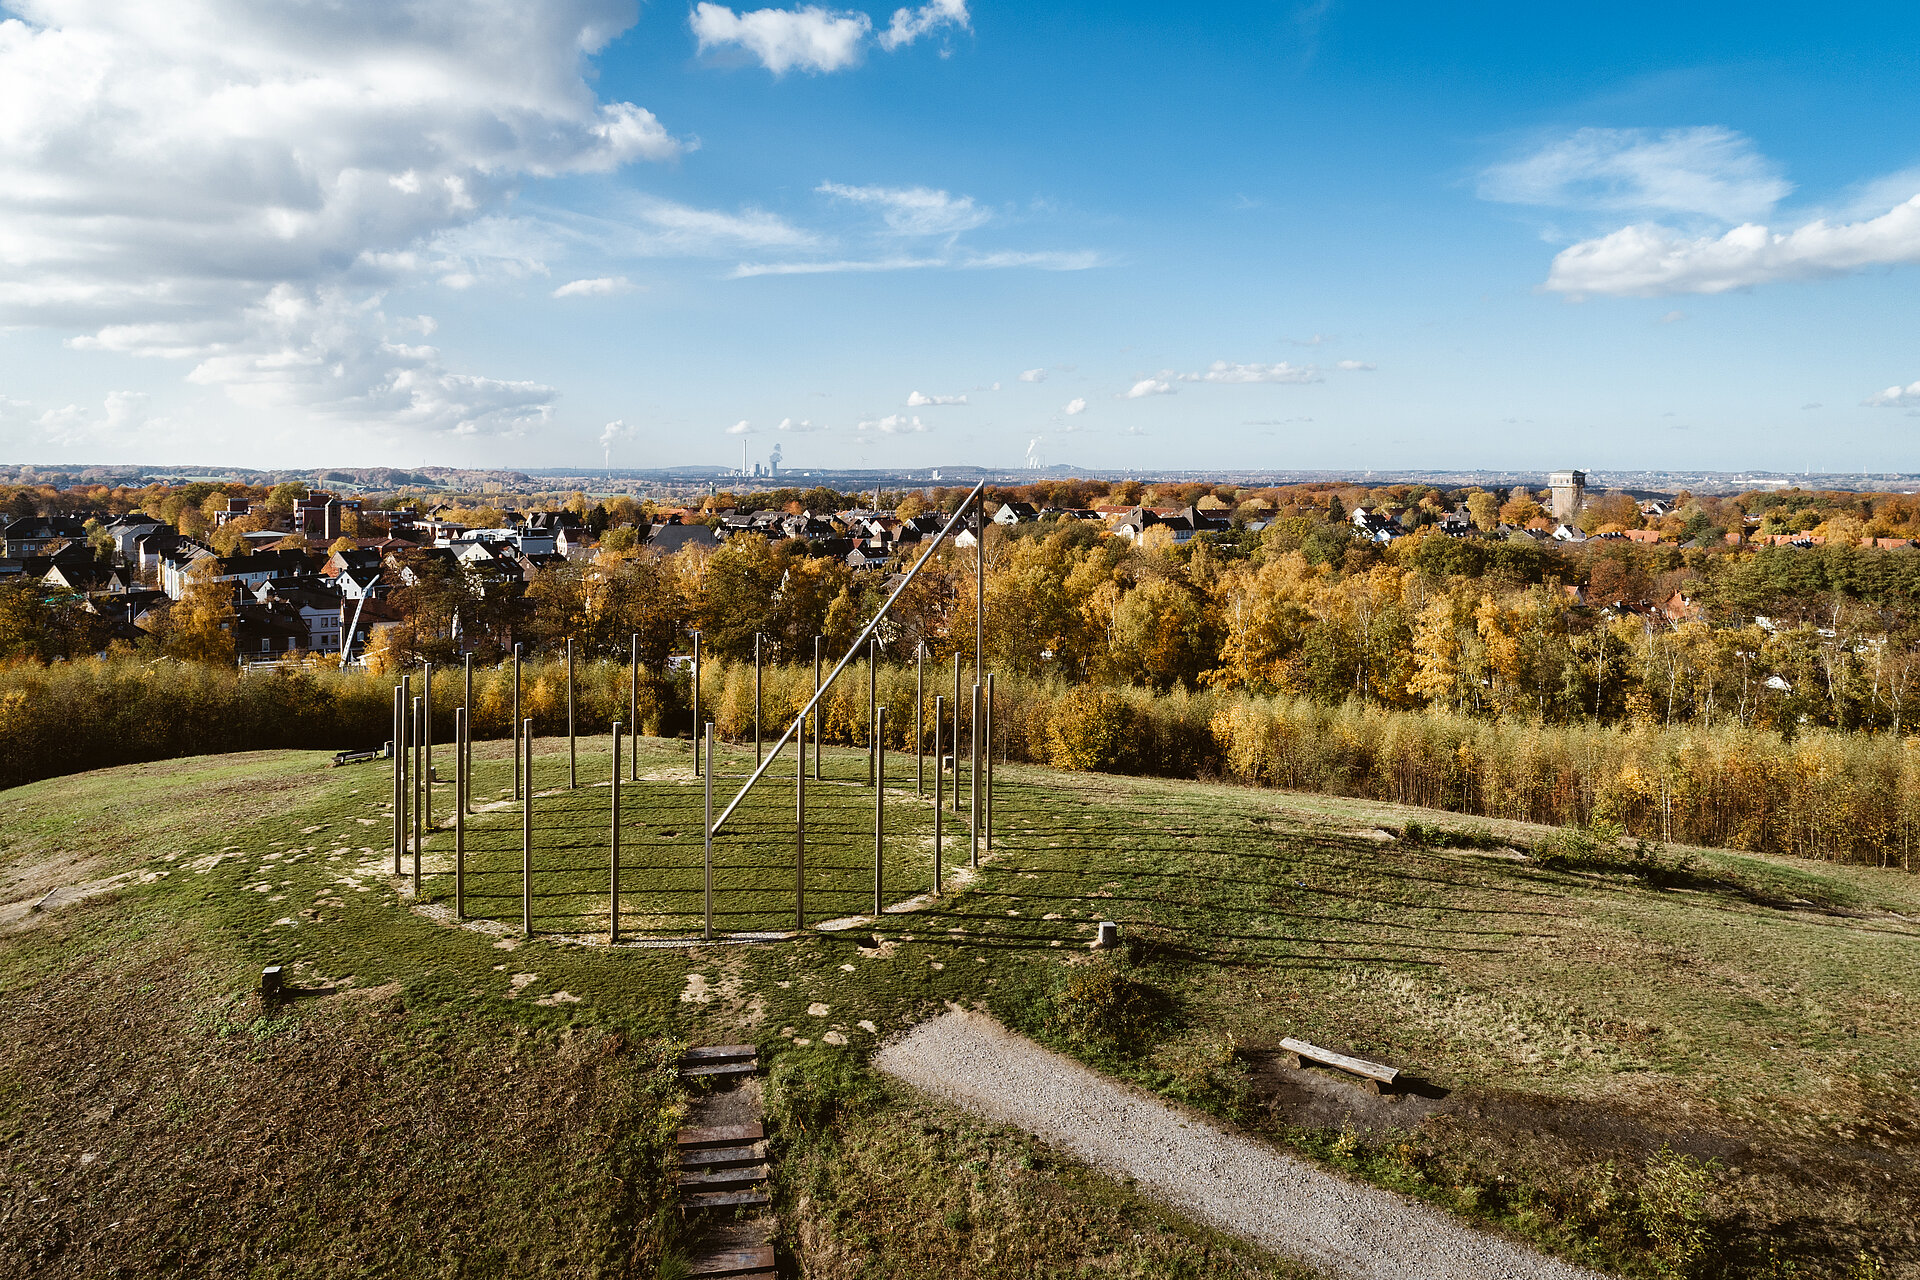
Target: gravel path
x,y
1239,1185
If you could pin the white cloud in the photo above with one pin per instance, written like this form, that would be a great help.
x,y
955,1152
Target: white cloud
x,y
615,430
910,24
1222,371
1647,260
1147,387
788,424
1673,317
1034,375
1706,170
957,262
740,428
328,354
1355,366
600,286
894,424
1076,405
917,401
229,182
914,211
1906,397
810,38
996,386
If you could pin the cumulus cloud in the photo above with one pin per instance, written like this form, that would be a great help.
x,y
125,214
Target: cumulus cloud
x,y
1355,366
910,24
740,428
1648,260
1147,387
1034,375
1076,405
915,400
790,424
914,211
232,183
1707,170
894,424
333,356
600,286
811,38
1223,371
1907,397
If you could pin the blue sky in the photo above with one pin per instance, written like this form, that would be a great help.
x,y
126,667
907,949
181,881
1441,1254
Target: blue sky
x,y
1319,235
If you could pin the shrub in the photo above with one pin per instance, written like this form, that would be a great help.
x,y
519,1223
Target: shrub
x,y
1099,1006
1092,729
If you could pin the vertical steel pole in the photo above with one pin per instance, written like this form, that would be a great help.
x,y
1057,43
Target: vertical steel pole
x,y
973,779
460,813
816,710
573,756
633,706
696,704
920,719
399,748
517,752
986,816
419,784
526,830
873,701
956,729
939,776
878,727
979,577
707,864
466,750
613,882
758,754
800,831
426,743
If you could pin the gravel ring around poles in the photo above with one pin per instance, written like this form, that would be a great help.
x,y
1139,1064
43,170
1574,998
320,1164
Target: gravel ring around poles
x,y
1233,1182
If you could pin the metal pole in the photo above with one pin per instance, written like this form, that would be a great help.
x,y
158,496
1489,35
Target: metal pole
x,y
878,727
707,867
986,815
460,813
800,832
573,757
516,722
466,750
816,714
973,778
633,706
526,831
956,730
979,574
873,701
426,747
696,704
613,884
939,776
920,719
418,785
399,748
757,755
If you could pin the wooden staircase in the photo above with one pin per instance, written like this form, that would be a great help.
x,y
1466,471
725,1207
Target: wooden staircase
x,y
722,1170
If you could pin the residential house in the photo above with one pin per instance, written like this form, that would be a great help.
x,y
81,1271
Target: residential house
x,y
319,609
179,567
1012,513
35,535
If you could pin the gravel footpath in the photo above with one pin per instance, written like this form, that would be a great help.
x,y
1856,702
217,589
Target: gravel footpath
x,y
1236,1184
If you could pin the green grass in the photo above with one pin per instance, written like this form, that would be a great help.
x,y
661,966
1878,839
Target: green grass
x,y
1760,1017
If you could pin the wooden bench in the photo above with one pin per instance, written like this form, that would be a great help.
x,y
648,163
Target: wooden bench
x,y
382,752
1375,1075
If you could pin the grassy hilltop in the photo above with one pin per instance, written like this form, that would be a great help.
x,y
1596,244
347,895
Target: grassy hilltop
x,y
1656,1061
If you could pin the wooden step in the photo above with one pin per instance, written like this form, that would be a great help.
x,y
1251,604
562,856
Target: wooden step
x,y
722,1069
735,1262
740,1176
721,1135
725,1199
719,1052
722,1157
